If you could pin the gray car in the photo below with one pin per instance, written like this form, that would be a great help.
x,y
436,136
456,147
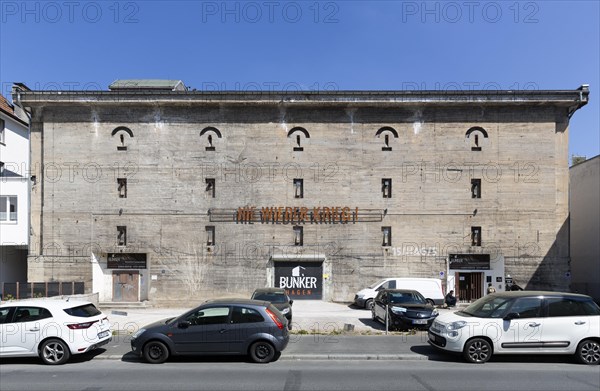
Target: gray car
x,y
279,298
234,327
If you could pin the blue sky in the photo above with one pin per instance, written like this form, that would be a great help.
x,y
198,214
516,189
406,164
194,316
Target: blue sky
x,y
312,45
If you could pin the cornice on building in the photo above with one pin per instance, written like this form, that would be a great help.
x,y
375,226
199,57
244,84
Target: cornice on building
x,y
572,99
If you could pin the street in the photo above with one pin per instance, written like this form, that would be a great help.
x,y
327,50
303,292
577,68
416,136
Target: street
x,y
234,374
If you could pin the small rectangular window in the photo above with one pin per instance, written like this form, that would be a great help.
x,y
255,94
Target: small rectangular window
x,y
8,208
122,187
121,235
475,188
210,187
387,236
386,187
2,132
476,236
298,236
476,146
210,235
12,205
3,208
298,188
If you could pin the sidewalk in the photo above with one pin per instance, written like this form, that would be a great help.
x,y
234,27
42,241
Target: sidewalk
x,y
311,316
318,333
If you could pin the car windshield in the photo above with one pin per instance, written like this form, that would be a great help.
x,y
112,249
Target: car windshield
x,y
406,298
488,307
373,286
272,297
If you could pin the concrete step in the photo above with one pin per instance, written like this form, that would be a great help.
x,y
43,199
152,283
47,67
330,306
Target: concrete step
x,y
122,305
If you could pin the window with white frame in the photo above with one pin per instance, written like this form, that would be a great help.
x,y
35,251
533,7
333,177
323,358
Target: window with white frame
x,y
8,208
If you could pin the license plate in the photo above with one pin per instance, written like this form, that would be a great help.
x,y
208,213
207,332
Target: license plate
x,y
432,337
103,334
420,321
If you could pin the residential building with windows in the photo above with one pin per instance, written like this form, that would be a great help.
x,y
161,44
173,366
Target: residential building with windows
x,y
153,192
14,193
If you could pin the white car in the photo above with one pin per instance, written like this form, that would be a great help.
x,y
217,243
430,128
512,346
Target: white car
x,y
527,322
51,329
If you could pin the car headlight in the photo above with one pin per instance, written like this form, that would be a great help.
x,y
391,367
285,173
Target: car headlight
x,y
398,310
456,325
285,311
434,312
138,333
360,295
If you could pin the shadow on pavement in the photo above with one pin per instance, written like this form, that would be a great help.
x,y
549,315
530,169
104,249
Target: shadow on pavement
x,y
74,359
353,306
131,357
435,355
372,323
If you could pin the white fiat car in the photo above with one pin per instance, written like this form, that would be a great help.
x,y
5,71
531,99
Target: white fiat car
x,y
51,329
526,322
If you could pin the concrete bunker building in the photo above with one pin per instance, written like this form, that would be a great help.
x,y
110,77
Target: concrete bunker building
x,y
149,191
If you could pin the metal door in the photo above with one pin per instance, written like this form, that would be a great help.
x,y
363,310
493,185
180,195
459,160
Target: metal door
x,y
301,280
469,286
126,285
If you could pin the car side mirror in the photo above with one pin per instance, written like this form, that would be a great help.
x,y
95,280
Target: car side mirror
x,y
184,324
512,315
291,302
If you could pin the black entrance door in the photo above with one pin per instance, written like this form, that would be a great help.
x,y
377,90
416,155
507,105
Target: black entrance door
x,y
301,280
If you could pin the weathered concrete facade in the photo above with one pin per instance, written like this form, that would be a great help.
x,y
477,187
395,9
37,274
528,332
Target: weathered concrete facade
x,y
345,146
584,224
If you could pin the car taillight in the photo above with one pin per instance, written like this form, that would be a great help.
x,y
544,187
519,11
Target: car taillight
x,y
275,319
79,326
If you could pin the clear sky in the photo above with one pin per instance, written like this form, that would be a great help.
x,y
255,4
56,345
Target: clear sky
x,y
310,45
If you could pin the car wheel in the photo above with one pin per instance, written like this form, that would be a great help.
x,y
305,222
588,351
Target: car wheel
x,y
54,352
155,352
262,352
369,304
430,302
588,352
477,351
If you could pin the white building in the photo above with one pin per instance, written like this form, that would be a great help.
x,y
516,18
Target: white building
x,y
14,193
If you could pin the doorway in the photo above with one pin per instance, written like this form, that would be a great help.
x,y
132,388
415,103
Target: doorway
x,y
126,285
301,280
469,286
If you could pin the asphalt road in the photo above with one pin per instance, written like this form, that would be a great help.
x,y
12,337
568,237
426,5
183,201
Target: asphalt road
x,y
322,345
232,374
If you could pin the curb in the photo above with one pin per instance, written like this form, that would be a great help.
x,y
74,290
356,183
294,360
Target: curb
x,y
321,357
